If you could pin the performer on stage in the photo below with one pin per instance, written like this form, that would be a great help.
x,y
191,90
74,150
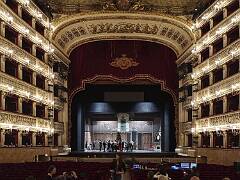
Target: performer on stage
x,y
104,146
100,145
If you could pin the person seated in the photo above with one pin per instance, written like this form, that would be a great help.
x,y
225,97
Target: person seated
x,y
51,172
161,174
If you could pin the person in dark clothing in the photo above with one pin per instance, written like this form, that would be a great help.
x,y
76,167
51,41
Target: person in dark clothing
x,y
118,168
112,146
100,145
122,146
51,172
108,146
104,146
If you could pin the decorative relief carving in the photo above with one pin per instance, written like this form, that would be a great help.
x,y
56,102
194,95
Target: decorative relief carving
x,y
22,120
224,85
186,126
59,127
124,62
227,119
14,119
154,29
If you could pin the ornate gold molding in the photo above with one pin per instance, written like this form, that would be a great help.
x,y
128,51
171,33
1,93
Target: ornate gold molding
x,y
223,121
161,29
124,62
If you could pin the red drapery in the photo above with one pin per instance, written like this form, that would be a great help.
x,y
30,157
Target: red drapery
x,y
93,59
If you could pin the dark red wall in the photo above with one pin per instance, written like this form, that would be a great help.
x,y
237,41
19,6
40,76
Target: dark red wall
x,y
94,58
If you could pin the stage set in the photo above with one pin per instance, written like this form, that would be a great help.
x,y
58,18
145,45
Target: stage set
x,y
126,119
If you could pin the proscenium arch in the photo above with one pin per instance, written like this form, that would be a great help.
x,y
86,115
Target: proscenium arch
x,y
72,31
115,81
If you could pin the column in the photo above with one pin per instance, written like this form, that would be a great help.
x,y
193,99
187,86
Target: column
x,y
185,140
20,71
34,108
211,78
59,140
3,100
2,140
20,40
199,111
33,23
34,49
224,12
33,138
34,74
211,23
211,139
224,40
199,140
2,24
19,10
46,112
3,60
19,138
199,58
224,71
210,50
45,139
46,57
211,108
225,139
20,104
46,84
224,104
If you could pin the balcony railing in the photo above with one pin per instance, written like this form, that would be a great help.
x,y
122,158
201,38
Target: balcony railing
x,y
58,127
222,57
187,79
187,102
58,104
13,51
223,122
23,89
219,89
185,126
9,120
57,79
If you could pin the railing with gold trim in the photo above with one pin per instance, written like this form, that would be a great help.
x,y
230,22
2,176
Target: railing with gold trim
x,y
24,57
219,89
58,103
23,89
58,127
9,120
222,122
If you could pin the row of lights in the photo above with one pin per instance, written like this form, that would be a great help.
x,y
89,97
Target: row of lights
x,y
219,5
233,127
26,128
26,94
25,31
233,52
36,13
27,62
219,32
219,93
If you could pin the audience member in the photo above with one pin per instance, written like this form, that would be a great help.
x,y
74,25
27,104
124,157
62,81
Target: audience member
x,y
51,172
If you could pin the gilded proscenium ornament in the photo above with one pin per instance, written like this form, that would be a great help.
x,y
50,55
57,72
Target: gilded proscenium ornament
x,y
124,62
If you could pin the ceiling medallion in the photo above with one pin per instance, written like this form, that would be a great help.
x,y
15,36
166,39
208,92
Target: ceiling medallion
x,y
124,62
123,5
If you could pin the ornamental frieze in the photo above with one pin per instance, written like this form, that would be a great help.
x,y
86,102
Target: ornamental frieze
x,y
228,119
162,29
15,119
123,27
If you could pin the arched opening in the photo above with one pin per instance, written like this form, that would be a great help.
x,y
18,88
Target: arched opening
x,y
143,82
149,122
